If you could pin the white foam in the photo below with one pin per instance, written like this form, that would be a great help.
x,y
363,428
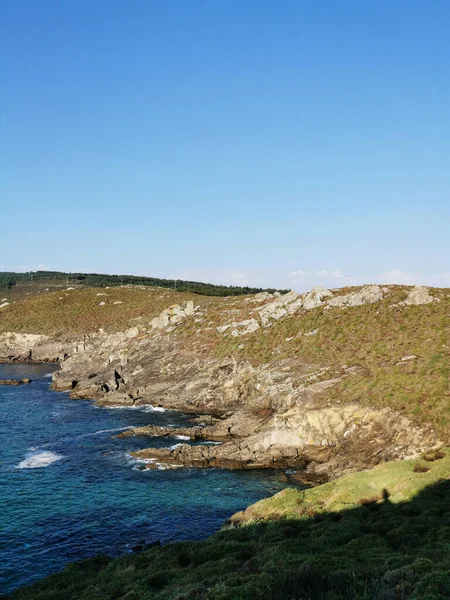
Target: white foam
x,y
181,437
38,460
145,461
140,407
175,446
48,375
100,431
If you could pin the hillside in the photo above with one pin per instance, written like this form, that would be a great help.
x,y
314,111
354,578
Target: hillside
x,y
374,336
377,535
34,281
347,386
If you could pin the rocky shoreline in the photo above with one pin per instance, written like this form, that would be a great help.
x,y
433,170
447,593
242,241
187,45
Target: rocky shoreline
x,y
274,415
14,381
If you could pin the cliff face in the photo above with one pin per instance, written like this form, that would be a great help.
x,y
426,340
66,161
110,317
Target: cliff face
x,y
277,401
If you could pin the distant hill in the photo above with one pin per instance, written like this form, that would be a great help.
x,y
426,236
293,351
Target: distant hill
x,y
9,279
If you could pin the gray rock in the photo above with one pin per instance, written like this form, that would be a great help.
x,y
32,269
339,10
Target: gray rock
x,y
418,295
245,327
369,294
278,308
315,297
174,315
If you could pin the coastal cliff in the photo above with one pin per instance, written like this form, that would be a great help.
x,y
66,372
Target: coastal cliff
x,y
325,383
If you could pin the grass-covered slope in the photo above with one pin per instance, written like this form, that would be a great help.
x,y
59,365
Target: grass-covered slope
x,y
89,309
374,336
9,280
378,535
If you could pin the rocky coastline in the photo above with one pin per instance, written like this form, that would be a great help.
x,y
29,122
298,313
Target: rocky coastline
x,y
14,381
273,415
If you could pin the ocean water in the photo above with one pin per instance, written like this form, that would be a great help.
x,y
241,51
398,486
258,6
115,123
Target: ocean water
x,y
69,488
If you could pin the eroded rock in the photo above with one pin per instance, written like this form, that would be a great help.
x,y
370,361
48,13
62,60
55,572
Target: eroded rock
x,y
417,296
174,315
369,294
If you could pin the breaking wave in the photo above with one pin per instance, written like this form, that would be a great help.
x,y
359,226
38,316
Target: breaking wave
x,y
38,460
141,407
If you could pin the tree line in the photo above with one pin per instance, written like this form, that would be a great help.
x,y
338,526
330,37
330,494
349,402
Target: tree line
x,y
9,280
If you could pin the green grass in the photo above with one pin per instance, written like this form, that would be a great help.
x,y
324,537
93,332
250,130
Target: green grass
x,y
378,535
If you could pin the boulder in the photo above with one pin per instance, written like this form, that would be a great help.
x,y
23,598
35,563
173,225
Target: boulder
x,y
174,315
315,297
245,327
278,308
14,381
418,295
369,294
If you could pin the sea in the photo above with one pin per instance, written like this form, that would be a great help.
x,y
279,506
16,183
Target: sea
x,y
70,489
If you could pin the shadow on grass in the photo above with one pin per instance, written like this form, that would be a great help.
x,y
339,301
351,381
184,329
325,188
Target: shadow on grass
x,y
377,551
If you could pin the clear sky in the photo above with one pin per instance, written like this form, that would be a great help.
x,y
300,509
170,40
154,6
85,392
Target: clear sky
x,y
285,143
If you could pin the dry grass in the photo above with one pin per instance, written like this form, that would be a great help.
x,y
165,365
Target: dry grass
x,y
376,337
80,310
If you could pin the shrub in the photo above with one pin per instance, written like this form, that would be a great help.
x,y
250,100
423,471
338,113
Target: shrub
x,y
418,468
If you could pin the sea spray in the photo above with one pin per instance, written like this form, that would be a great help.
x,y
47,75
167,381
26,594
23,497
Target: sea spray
x,y
37,460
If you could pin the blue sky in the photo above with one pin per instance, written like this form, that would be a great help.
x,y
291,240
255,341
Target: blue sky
x,y
285,143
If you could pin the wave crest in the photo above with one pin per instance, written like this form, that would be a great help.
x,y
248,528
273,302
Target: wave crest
x,y
39,459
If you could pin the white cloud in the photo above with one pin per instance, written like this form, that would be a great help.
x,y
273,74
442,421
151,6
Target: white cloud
x,y
404,278
337,274
399,277
239,277
297,274
23,268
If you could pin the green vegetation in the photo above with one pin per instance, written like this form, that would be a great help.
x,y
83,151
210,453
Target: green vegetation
x,y
375,337
382,534
8,280
82,311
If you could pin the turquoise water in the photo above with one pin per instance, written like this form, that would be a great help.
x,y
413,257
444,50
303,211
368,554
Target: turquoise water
x,y
69,489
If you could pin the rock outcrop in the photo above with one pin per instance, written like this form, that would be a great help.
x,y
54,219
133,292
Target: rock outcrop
x,y
174,315
21,347
273,414
322,442
14,381
417,296
367,295
280,306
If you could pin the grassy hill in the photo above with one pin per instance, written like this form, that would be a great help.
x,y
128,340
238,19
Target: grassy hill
x,y
375,336
377,535
43,279
85,310
382,534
